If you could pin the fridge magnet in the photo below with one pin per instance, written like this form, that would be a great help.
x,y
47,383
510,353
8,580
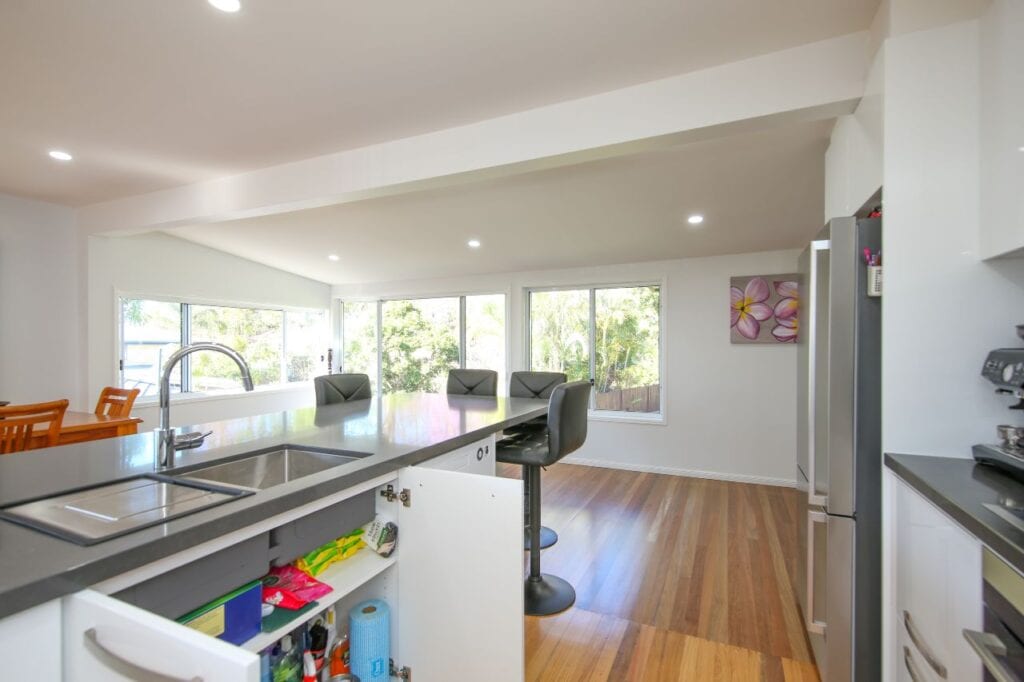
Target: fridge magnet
x,y
764,308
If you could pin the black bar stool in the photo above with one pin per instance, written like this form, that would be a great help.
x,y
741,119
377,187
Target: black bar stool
x,y
472,382
533,385
341,388
567,430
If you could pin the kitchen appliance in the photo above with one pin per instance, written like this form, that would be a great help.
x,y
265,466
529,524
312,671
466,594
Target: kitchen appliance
x,y
1004,367
839,452
1001,646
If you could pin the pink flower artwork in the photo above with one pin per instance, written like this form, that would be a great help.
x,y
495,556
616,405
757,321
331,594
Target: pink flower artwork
x,y
759,313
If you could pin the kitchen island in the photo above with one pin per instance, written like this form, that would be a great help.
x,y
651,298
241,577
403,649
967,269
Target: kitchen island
x,y
444,545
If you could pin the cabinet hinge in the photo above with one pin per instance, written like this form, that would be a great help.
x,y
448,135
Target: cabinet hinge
x,y
404,673
390,495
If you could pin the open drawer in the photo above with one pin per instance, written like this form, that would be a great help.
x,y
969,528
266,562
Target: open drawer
x,y
456,578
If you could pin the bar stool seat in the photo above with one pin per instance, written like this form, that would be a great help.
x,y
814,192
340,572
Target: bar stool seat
x,y
547,594
341,388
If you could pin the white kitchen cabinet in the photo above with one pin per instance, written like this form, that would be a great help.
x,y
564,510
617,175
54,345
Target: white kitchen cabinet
x,y
937,585
476,458
34,630
454,586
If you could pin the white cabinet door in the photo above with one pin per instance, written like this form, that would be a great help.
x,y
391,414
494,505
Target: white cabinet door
x,y
106,639
460,578
27,643
938,588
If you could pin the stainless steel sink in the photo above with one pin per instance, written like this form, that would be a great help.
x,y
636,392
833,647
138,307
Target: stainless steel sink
x,y
262,470
102,512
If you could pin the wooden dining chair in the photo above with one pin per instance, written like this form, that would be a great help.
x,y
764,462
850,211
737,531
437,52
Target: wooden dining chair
x,y
17,423
116,402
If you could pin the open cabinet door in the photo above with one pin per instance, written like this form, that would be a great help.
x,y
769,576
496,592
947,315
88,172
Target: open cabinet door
x,y
460,577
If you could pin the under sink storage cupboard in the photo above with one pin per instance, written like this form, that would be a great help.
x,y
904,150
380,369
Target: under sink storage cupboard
x,y
454,585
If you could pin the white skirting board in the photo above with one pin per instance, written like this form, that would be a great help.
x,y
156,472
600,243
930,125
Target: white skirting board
x,y
676,471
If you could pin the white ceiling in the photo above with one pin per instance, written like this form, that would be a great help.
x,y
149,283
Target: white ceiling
x,y
150,94
759,191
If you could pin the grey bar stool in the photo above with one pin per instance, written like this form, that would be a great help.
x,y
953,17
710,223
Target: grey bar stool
x,y
546,594
341,388
472,382
533,385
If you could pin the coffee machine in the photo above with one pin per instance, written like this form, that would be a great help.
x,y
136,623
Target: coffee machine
x,y
1004,367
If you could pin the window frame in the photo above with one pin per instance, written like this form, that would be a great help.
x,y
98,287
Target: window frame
x,y
379,306
186,329
595,414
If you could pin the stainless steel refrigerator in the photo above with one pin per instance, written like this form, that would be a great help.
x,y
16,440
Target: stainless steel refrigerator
x,y
839,457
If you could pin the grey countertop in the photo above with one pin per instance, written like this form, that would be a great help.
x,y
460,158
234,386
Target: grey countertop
x,y
399,430
960,487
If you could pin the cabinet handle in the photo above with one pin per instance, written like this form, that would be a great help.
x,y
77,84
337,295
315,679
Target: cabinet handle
x,y
479,454
814,626
123,666
915,674
926,652
989,647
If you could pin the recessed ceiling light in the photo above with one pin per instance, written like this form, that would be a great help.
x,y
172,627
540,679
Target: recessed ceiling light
x,y
333,257
1020,148
695,219
473,243
226,5
60,155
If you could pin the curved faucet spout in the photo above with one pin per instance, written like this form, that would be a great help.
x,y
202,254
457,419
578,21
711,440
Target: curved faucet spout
x,y
165,434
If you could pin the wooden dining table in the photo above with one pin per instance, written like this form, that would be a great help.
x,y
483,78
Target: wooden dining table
x,y
78,427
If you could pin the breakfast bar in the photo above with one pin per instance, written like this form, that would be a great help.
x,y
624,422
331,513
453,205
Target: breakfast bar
x,y
426,462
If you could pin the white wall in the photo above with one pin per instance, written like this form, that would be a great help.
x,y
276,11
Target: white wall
x,y
40,297
730,410
158,264
943,307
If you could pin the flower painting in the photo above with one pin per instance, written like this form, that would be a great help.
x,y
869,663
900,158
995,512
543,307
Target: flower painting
x,y
764,309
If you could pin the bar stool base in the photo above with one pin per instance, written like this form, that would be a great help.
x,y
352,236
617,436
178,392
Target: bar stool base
x,y
548,537
548,595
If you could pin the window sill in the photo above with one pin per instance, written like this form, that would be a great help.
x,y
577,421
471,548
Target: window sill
x,y
154,401
652,418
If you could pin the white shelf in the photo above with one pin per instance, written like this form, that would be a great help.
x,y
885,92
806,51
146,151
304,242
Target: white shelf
x,y
344,577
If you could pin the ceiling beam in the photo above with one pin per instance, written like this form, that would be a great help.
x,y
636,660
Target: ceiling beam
x,y
819,80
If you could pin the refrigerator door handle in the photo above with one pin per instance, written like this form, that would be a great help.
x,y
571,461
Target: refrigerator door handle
x,y
812,349
816,627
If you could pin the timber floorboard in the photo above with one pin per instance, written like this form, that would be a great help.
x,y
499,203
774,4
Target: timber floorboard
x,y
676,579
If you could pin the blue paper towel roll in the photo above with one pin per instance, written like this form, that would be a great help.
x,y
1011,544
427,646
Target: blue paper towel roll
x,y
370,640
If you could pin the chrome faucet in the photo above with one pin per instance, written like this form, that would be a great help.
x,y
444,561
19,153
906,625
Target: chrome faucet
x,y
167,442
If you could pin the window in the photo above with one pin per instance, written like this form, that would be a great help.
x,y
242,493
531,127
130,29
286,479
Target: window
x,y
420,339
419,344
609,335
359,346
280,346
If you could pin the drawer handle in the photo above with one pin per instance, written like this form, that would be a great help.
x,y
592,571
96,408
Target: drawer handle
x,y
123,666
918,641
989,647
479,454
915,674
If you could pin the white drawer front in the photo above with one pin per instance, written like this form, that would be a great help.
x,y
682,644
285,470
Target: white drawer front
x,y
477,458
106,639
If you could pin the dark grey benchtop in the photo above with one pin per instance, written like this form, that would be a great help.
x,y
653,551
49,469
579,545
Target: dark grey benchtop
x,y
400,430
960,487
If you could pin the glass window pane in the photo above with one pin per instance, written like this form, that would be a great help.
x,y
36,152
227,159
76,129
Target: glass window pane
x,y
559,334
485,334
305,344
256,334
359,352
151,331
419,344
626,342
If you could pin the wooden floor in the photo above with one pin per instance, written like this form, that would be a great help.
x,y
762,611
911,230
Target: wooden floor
x,y
676,579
